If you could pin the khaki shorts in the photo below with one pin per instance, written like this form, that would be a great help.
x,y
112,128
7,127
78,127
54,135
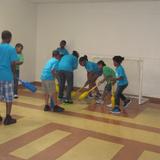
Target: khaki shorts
x,y
49,87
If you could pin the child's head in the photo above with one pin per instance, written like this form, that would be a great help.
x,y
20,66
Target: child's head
x,y
83,60
6,36
101,64
63,44
117,60
56,54
76,54
19,48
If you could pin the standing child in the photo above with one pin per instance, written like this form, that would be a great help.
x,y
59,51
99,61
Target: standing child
x,y
62,50
8,58
66,67
122,83
108,74
93,72
48,76
19,48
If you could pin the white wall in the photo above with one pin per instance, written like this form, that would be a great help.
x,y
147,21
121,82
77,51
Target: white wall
x,y
131,29
19,16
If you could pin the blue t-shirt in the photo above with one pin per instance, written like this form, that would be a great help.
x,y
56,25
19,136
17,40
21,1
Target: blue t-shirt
x,y
93,67
8,55
63,51
68,63
51,65
120,72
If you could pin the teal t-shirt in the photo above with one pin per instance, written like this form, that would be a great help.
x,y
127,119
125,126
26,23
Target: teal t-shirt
x,y
7,56
63,51
46,74
92,67
120,72
68,63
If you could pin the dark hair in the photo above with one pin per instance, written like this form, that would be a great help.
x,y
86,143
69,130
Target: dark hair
x,y
55,53
76,54
6,35
19,45
83,58
118,59
63,41
101,62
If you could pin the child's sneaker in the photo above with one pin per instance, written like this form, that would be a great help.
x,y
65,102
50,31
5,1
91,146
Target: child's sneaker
x,y
109,105
99,101
68,101
9,120
126,104
58,108
116,110
61,99
47,108
15,96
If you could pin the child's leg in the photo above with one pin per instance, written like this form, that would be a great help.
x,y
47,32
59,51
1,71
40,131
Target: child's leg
x,y
62,81
122,97
125,100
119,95
8,97
94,78
92,82
69,78
107,93
53,96
46,99
16,77
46,95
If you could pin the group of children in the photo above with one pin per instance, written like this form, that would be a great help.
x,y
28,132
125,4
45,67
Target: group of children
x,y
61,67
10,60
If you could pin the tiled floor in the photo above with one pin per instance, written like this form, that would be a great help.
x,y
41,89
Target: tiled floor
x,y
83,132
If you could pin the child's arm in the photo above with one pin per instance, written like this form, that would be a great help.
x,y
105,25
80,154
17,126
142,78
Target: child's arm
x,y
13,65
54,72
19,63
90,78
75,65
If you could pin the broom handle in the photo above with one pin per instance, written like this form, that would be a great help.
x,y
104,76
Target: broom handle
x,y
92,89
113,90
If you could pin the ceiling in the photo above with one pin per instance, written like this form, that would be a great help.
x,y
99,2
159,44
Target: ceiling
x,y
83,1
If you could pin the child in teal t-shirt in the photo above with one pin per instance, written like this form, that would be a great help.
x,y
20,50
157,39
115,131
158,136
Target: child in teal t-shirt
x,y
8,57
19,49
93,72
62,50
108,74
122,83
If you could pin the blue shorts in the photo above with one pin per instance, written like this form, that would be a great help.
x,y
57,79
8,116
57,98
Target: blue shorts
x,y
6,91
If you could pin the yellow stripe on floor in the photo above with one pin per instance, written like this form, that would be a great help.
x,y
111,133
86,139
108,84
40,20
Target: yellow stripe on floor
x,y
92,149
147,155
39,145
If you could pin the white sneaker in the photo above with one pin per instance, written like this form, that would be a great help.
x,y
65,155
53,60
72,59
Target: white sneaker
x,y
15,96
109,105
99,101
